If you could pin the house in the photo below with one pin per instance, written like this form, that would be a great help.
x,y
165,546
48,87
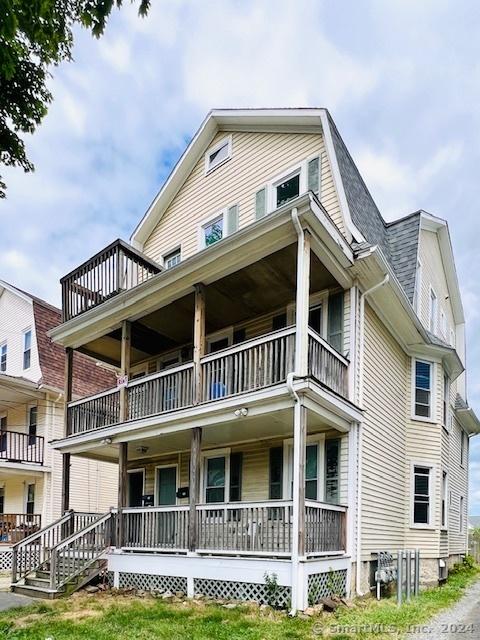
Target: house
x,y
32,414
292,393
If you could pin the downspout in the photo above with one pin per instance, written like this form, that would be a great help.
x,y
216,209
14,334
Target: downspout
x,y
361,350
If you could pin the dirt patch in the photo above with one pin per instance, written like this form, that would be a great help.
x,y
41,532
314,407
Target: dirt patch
x,y
80,615
27,621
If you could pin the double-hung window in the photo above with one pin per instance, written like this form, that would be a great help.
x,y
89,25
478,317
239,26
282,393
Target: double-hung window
x,y
423,389
30,506
461,519
421,494
223,477
444,500
3,357
462,447
446,401
172,259
27,349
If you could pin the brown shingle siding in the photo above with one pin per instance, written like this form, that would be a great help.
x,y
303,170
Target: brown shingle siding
x,y
87,377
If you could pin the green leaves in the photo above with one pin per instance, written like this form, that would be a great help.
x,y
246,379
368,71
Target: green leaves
x,y
35,35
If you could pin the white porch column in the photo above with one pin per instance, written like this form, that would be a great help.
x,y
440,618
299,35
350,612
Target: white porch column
x,y
352,480
302,304
299,600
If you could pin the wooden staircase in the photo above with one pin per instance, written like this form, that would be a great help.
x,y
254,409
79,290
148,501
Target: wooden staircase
x,y
63,557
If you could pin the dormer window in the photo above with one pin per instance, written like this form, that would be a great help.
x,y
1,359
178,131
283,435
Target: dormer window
x,y
218,154
27,349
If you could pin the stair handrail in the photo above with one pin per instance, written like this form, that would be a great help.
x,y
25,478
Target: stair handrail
x,y
37,535
98,551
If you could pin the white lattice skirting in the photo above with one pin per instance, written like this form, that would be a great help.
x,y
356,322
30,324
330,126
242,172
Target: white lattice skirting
x,y
323,585
150,582
229,590
5,560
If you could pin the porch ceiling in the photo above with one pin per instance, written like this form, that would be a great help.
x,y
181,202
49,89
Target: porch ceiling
x,y
250,429
258,289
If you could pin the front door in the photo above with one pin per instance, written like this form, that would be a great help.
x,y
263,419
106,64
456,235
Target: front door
x,y
135,488
166,486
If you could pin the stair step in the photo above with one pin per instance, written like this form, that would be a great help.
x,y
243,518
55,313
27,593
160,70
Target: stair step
x,y
42,573
36,592
41,583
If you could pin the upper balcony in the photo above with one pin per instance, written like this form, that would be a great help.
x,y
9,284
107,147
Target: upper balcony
x,y
21,447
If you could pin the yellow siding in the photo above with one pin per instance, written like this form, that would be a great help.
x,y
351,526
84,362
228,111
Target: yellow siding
x,y
383,474
256,159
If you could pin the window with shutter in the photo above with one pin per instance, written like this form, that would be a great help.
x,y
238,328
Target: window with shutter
x,y
335,321
314,175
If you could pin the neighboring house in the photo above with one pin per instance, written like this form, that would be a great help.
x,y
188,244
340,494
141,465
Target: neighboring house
x,y
32,414
293,396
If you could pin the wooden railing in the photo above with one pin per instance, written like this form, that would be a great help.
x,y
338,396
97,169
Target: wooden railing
x,y
326,365
325,528
73,556
252,365
32,552
17,526
251,528
161,392
116,268
95,412
156,528
249,366
21,447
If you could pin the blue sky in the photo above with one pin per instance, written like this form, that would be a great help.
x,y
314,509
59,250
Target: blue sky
x,y
401,78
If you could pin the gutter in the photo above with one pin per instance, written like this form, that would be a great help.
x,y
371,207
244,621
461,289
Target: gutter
x,y
363,295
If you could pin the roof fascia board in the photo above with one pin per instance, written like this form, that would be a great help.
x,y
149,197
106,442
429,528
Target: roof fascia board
x,y
4,285
337,179
468,419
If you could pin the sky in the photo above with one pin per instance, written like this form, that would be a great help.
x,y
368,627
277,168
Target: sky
x,y
401,79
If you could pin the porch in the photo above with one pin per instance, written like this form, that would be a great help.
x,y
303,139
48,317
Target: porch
x,y
17,526
16,446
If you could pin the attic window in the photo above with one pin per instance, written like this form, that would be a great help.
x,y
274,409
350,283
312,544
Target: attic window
x,y
172,259
218,154
288,190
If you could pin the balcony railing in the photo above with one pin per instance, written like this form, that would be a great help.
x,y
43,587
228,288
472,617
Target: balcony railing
x,y
250,366
21,447
238,528
116,268
17,526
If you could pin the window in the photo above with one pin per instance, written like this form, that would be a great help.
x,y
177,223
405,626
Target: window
x,y
2,500
461,519
332,458
315,316
218,154
215,479
433,311
32,425
462,447
3,357
444,500
335,321
287,190
421,495
213,231
279,321
443,324
276,474
27,349
3,433
418,288
172,259
30,499
311,472
423,389
446,401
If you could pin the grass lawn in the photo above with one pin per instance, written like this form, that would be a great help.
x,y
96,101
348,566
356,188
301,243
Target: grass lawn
x,y
109,616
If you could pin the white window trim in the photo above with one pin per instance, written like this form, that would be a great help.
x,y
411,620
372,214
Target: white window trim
x,y
226,140
461,515
177,249
155,489
317,438
433,407
215,453
24,333
431,485
169,356
434,330
446,400
2,345
464,439
319,297
218,335
444,527
27,484
222,213
142,470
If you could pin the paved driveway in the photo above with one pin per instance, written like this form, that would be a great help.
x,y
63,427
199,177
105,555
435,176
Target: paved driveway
x,y
11,600
461,621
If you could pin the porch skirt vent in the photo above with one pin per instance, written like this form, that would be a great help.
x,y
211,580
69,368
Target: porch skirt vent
x,y
146,582
5,560
323,585
229,590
